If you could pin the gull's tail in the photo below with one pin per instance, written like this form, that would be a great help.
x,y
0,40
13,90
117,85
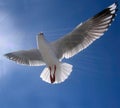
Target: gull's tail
x,y
63,70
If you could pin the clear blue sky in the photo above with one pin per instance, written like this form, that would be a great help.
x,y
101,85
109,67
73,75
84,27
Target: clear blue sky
x,y
95,80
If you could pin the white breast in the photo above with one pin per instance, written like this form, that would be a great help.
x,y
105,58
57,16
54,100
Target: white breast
x,y
47,53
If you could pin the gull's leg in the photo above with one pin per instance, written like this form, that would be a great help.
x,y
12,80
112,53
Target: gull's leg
x,y
52,78
50,74
54,73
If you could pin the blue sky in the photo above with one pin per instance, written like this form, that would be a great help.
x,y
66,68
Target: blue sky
x,y
95,80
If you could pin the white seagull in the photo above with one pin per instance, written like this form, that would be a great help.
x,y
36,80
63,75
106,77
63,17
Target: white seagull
x,y
51,54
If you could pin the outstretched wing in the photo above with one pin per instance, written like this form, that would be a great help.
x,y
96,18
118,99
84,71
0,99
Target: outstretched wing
x,y
27,57
85,33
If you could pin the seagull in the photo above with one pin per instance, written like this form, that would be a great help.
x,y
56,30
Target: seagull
x,y
50,54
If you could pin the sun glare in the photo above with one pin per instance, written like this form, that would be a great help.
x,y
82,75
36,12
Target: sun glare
x,y
10,39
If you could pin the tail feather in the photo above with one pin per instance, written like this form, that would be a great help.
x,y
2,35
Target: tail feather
x,y
63,70
45,75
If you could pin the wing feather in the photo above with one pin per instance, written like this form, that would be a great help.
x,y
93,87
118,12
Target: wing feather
x,y
85,33
26,57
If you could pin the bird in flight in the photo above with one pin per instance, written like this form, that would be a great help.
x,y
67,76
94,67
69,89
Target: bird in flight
x,y
52,53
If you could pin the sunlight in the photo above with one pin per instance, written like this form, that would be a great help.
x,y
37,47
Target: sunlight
x,y
10,39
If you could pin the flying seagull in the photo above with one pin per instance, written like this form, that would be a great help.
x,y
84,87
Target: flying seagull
x,y
51,54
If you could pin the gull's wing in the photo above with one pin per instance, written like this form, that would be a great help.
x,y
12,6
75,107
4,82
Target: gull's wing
x,y
27,57
85,33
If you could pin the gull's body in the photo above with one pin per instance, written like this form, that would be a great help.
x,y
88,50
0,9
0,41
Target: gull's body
x,y
46,51
48,55
51,54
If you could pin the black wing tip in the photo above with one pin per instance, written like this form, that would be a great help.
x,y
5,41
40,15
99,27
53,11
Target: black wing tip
x,y
7,55
116,4
110,10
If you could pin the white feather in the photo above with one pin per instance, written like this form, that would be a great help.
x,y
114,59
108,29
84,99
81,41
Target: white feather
x,y
63,70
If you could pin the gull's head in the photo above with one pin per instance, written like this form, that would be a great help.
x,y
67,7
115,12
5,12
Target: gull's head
x,y
40,35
